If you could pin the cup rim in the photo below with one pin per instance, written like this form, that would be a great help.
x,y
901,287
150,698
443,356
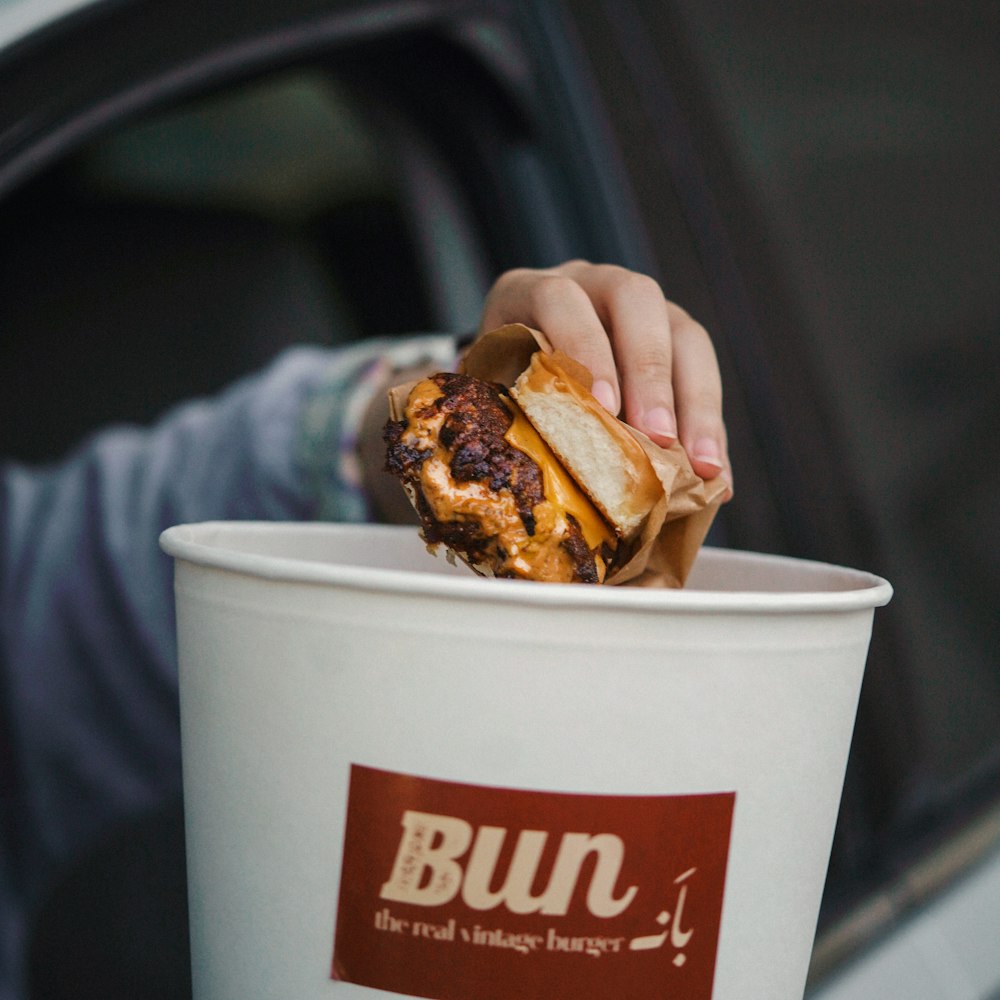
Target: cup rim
x,y
204,544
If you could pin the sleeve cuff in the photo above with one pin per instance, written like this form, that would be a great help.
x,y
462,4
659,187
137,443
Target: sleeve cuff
x,y
335,407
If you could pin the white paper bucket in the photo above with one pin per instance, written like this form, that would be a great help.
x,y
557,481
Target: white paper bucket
x,y
401,779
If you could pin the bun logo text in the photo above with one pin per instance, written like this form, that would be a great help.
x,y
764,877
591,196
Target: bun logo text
x,y
451,890
427,871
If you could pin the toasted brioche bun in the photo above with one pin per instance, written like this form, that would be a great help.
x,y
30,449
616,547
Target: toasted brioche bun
x,y
595,448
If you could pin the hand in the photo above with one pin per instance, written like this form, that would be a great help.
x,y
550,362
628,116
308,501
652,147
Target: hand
x,y
649,358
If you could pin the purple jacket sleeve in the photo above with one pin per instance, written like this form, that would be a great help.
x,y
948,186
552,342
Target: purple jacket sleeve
x,y
88,702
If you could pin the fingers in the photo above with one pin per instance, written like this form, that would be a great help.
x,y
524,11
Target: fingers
x,y
650,360
636,322
552,301
698,395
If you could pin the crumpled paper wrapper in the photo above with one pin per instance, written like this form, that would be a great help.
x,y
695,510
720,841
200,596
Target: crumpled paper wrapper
x,y
663,554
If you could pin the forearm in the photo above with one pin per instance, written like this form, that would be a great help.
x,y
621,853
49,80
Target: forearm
x,y
87,675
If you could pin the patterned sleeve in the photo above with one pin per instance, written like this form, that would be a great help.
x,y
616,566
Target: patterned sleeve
x,y
335,408
89,729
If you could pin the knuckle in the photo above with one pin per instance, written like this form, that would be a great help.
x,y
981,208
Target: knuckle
x,y
651,366
553,290
684,325
633,285
513,276
687,328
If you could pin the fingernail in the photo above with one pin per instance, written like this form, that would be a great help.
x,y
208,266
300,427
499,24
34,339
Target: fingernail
x,y
604,393
707,450
659,421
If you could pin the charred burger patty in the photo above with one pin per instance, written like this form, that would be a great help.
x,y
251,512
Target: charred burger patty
x,y
483,496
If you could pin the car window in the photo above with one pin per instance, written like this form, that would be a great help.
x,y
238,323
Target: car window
x,y
373,189
170,256
175,253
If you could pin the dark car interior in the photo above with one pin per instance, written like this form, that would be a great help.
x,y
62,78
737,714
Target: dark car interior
x,y
815,185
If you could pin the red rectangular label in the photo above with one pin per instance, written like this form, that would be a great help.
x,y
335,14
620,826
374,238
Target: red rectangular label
x,y
452,891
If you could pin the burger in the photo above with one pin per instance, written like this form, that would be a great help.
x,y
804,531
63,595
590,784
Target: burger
x,y
536,482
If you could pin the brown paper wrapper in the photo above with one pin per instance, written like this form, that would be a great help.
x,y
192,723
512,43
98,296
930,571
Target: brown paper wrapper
x,y
663,554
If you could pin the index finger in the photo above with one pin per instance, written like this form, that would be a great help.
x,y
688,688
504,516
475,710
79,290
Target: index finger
x,y
555,302
635,313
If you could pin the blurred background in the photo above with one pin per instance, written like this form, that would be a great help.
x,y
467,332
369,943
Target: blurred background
x,y
186,191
